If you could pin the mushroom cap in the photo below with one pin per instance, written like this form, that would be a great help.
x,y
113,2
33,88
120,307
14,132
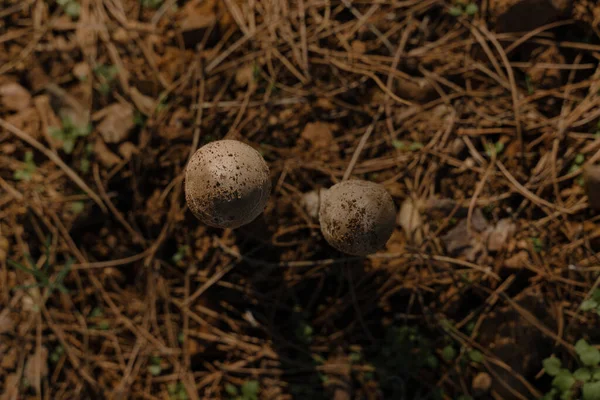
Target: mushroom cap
x,y
357,217
227,184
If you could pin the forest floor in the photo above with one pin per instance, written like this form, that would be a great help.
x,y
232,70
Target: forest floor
x,y
478,118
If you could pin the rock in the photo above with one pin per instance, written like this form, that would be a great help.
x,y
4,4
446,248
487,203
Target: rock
x,y
499,235
319,135
591,174
482,382
14,96
117,123
527,15
244,75
127,150
517,261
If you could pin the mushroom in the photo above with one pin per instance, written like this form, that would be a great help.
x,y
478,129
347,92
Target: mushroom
x,y
227,184
357,217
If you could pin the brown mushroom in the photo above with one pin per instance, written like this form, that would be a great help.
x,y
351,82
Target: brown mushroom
x,y
357,217
227,184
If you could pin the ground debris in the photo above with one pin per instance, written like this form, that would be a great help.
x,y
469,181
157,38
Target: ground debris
x,y
591,175
117,123
14,97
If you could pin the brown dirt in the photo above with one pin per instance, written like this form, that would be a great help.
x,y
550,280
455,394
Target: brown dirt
x,y
100,112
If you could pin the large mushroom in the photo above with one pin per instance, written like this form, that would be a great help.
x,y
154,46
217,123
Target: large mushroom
x,y
357,217
227,184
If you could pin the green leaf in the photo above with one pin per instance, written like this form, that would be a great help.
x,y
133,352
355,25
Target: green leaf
x,y
579,159
414,146
399,144
455,11
596,373
591,391
68,145
475,356
77,207
464,397
596,295
250,390
154,369
563,381
448,353
589,355
73,9
471,9
231,390
588,305
551,366
582,374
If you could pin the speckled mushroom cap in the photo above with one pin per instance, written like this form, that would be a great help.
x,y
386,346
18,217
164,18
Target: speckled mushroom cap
x,y
227,184
357,217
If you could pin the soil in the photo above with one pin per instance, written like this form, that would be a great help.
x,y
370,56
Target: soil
x,y
477,120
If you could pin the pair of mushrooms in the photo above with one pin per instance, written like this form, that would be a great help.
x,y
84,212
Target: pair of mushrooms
x,y
227,185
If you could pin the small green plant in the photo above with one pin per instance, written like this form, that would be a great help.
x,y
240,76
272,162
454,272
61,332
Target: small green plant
x,y
494,149
461,9
151,3
177,391
69,133
529,84
583,383
155,366
84,165
538,244
248,391
181,253
42,275
56,354
70,7
407,146
29,168
593,303
106,75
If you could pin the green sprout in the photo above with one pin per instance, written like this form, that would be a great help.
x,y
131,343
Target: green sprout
x,y
584,381
248,391
106,74
70,7
26,173
177,391
42,275
69,133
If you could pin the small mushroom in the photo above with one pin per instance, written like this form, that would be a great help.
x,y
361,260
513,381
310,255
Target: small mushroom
x,y
357,217
227,184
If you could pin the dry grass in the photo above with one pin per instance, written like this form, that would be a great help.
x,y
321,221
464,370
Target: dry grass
x,y
407,94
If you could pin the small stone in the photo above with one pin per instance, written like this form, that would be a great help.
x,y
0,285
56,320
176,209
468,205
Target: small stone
x,y
318,134
127,150
500,234
117,124
14,96
481,384
591,174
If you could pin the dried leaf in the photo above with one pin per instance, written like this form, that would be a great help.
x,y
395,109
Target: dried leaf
x,y
36,367
103,153
6,323
409,218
